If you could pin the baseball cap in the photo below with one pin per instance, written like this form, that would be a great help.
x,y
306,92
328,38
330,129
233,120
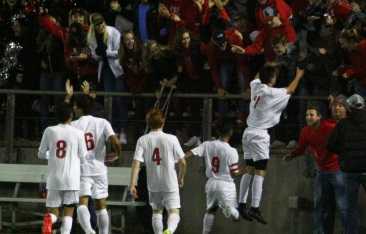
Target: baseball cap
x,y
356,102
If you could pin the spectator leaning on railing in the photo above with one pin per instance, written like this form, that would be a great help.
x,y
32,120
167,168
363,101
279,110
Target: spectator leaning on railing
x,y
348,140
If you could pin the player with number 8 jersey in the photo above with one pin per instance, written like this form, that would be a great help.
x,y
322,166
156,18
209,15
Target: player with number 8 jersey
x,y
160,152
64,148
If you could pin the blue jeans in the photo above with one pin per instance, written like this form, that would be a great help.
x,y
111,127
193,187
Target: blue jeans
x,y
119,104
49,82
353,183
329,188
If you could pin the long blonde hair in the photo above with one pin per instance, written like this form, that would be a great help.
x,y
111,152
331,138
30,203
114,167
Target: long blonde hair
x,y
91,33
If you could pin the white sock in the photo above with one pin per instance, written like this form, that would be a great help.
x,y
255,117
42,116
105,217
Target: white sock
x,y
53,218
257,188
66,225
208,221
173,220
84,218
244,187
234,213
103,221
157,223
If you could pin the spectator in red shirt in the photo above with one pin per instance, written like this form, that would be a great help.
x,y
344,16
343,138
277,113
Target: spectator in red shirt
x,y
329,179
355,47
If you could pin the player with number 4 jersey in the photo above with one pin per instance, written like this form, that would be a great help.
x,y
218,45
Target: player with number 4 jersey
x,y
160,152
221,162
64,148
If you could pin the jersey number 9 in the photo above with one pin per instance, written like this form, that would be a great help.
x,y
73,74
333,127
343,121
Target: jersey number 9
x,y
215,164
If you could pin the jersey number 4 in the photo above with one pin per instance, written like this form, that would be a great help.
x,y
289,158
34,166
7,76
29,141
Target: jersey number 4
x,y
156,156
215,164
60,149
89,141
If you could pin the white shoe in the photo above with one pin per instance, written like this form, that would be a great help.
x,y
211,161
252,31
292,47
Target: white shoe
x,y
277,144
193,141
292,144
226,211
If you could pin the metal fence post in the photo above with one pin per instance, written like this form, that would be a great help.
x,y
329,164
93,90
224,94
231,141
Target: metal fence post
x,y
207,119
10,116
108,105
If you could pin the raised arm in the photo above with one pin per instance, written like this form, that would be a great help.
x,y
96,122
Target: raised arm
x,y
295,82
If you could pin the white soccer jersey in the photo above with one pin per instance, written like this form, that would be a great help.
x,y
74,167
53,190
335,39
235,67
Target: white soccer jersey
x,y
220,158
159,151
64,147
266,105
96,133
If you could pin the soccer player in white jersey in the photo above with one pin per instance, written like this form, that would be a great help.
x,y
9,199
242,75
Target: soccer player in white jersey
x,y
94,177
266,106
160,152
221,163
64,148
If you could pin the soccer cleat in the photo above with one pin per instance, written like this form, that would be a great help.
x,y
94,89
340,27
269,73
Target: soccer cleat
x,y
243,211
167,231
256,214
47,224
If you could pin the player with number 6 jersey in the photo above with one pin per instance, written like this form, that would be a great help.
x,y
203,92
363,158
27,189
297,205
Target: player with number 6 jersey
x,y
221,162
94,177
64,148
160,152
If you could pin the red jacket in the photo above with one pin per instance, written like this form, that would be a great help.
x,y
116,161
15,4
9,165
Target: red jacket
x,y
82,68
357,68
315,140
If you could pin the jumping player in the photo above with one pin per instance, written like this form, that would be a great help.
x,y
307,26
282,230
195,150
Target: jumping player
x,y
221,163
160,152
64,148
266,106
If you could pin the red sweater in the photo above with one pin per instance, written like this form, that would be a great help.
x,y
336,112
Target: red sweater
x,y
358,63
315,140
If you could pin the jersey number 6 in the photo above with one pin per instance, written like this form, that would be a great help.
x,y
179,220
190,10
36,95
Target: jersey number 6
x,y
156,156
89,141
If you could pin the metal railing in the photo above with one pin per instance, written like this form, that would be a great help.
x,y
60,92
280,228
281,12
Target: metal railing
x,y
206,120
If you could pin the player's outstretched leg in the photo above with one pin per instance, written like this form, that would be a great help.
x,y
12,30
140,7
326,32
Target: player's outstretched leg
x,y
157,221
243,194
257,188
208,221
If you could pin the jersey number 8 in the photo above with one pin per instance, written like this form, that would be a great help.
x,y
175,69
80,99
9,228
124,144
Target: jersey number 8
x,y
60,149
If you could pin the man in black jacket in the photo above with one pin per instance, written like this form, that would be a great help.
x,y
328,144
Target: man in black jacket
x,y
348,140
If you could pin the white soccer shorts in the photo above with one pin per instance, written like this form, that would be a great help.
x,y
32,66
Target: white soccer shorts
x,y
256,144
167,200
94,186
58,198
220,193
